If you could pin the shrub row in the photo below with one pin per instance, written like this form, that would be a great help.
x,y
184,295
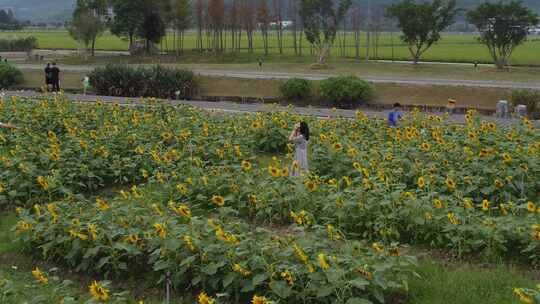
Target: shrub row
x,y
156,81
529,98
342,91
18,45
9,75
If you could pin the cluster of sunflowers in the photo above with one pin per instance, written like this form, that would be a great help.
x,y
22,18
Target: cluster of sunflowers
x,y
196,200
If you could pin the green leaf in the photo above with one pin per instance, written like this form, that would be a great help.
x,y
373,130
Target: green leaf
x,y
358,301
258,279
210,269
359,283
325,291
281,289
229,278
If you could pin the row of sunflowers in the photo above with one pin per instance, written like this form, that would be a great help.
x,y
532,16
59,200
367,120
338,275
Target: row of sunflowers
x,y
197,202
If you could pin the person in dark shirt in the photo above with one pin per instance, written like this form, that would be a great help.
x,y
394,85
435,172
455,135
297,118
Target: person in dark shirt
x,y
55,75
48,77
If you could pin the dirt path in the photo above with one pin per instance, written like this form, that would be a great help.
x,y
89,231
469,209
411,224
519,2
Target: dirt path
x,y
237,108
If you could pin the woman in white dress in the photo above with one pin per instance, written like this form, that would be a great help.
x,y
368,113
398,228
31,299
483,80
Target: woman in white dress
x,y
300,137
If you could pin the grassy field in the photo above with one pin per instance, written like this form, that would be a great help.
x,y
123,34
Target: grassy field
x,y
452,48
210,87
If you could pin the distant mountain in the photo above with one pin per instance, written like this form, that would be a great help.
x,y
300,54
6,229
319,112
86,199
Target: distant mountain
x,y
40,10
60,10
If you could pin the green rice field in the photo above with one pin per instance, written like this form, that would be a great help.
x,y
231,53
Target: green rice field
x,y
452,48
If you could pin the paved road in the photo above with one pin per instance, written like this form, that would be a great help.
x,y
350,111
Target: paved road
x,y
316,76
236,108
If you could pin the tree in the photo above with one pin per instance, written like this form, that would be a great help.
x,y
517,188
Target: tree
x,y
247,14
263,17
216,18
355,23
503,27
181,19
320,19
199,19
88,22
128,18
153,28
423,23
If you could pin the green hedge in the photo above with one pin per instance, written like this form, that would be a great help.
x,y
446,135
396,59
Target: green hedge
x,y
296,89
155,81
530,98
9,76
346,91
18,45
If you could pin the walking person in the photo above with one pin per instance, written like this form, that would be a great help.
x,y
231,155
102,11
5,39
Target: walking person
x,y
55,76
395,115
86,84
300,137
48,77
260,63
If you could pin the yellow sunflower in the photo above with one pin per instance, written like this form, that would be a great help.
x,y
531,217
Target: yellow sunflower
x,y
259,300
311,186
450,183
273,171
531,207
421,182
98,292
218,200
485,205
203,298
246,165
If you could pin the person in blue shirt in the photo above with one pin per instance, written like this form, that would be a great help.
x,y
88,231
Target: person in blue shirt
x,y
395,115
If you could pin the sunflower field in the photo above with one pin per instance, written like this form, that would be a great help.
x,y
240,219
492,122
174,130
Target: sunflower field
x,y
192,197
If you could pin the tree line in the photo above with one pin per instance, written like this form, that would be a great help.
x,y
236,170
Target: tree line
x,y
226,25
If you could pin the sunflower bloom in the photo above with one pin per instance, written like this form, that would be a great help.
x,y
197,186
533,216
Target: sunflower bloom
x,y
523,297
311,186
101,204
468,204
378,247
160,230
98,292
287,276
252,199
323,262
246,165
241,270
259,300
273,171
218,200
485,205
203,298
43,183
40,276
531,207
450,183
421,182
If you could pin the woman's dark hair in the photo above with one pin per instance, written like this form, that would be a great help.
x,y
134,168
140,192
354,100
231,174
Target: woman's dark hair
x,y
304,130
